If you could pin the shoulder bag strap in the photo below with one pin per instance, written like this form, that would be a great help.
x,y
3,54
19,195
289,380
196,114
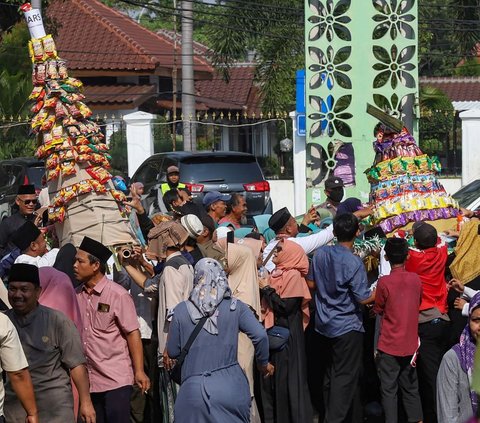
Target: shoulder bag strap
x,y
191,338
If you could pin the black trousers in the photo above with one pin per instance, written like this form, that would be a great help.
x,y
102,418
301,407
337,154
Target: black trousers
x,y
433,340
112,406
396,372
341,376
142,405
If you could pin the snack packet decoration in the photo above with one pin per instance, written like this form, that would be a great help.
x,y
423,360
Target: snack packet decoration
x,y
83,201
404,185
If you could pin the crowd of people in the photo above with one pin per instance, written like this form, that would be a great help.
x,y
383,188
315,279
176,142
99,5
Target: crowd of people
x,y
212,318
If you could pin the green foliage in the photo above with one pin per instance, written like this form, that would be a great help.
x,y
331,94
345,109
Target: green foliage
x,y
118,151
448,31
278,40
437,121
471,67
15,87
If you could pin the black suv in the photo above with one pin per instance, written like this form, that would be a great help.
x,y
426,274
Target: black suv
x,y
227,172
16,172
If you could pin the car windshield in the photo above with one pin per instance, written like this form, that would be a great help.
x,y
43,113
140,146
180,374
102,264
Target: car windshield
x,y
35,175
235,169
468,193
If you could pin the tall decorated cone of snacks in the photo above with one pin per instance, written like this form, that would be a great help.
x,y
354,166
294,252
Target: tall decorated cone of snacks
x,y
83,200
404,184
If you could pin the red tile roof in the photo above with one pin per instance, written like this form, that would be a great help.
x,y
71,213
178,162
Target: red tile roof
x,y
94,37
108,97
238,94
465,88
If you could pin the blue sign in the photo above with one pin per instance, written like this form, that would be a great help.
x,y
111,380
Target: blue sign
x,y
300,95
301,125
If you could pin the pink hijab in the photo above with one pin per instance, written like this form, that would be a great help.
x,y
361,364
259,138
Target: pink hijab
x,y
288,280
58,293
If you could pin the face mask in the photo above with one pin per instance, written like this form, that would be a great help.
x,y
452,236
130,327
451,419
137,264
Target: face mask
x,y
336,195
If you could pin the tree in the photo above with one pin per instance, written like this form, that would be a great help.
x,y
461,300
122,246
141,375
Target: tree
x,y
448,32
15,87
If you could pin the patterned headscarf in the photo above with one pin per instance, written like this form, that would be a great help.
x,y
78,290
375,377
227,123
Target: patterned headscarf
x,y
209,290
164,235
465,350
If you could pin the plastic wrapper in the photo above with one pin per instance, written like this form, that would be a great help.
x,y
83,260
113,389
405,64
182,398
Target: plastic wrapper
x,y
75,97
58,199
62,69
52,72
56,214
57,132
102,147
38,119
422,163
84,187
97,186
384,169
47,124
84,149
434,164
53,174
409,164
52,161
74,82
60,110
49,47
37,93
83,158
51,102
35,48
39,74
37,107
67,155
396,166
84,110
82,140
73,131
68,168
99,174
118,195
74,111
69,193
54,88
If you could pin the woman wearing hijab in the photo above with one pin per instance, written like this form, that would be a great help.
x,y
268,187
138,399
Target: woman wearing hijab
x,y
58,293
286,399
456,400
214,387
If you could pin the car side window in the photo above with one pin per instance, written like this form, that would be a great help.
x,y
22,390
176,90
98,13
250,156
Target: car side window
x,y
148,173
4,179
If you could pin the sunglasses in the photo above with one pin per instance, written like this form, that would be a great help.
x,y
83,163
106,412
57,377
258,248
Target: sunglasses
x,y
26,202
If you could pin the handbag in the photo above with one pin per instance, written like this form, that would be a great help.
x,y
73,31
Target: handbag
x,y
277,338
176,371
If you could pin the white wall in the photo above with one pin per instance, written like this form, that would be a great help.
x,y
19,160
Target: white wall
x,y
281,192
451,185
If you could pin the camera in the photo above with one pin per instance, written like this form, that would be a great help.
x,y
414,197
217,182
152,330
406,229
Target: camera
x,y
125,252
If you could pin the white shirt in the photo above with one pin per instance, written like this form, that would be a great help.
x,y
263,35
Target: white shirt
x,y
12,357
47,260
309,243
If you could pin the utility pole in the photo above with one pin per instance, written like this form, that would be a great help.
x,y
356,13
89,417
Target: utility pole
x,y
188,88
36,4
174,78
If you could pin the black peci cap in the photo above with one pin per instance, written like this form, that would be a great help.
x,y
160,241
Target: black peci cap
x,y
25,234
22,272
26,189
279,219
96,249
